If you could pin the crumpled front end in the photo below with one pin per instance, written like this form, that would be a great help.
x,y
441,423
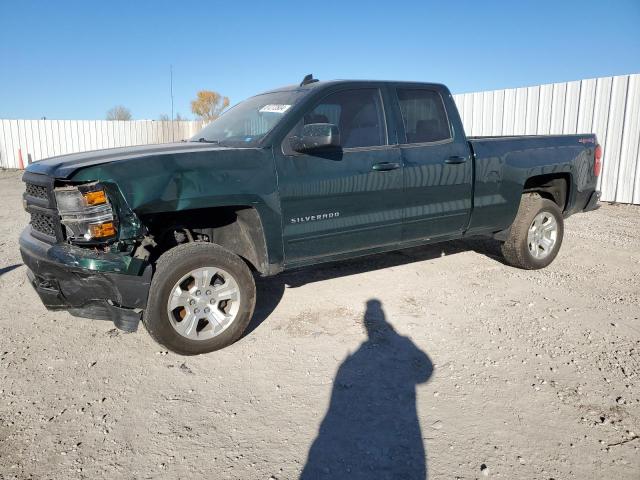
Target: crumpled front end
x,y
88,278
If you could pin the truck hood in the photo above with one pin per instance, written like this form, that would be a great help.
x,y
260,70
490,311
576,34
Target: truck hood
x,y
64,166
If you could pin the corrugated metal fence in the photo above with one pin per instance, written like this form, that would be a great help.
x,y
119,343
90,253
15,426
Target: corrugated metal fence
x,y
607,106
37,139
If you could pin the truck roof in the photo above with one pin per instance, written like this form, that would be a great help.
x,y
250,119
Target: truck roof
x,y
325,83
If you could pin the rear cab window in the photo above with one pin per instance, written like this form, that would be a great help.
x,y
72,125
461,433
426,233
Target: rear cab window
x,y
423,115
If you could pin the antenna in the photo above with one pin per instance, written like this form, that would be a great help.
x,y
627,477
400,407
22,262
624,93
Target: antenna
x,y
308,79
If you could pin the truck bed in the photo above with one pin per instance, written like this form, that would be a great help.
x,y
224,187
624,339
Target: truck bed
x,y
504,163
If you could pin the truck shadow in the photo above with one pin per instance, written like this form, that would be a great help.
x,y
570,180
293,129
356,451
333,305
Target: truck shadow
x,y
270,290
371,429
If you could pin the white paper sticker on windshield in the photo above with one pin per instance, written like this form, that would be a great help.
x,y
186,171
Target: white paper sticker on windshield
x,y
275,108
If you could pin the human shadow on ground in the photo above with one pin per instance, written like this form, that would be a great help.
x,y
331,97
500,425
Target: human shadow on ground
x,y
270,290
371,429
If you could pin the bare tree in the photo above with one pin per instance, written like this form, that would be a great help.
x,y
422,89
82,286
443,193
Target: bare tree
x,y
119,113
163,117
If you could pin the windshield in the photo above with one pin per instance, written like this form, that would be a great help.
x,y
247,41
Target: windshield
x,y
246,124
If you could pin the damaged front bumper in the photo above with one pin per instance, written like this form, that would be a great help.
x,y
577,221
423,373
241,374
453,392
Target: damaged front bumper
x,y
104,286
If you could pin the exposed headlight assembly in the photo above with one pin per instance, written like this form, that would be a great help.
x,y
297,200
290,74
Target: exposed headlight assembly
x,y
86,213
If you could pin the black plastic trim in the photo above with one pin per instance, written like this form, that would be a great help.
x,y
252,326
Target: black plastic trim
x,y
593,204
111,296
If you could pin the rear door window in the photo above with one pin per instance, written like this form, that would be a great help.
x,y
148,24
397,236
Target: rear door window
x,y
424,116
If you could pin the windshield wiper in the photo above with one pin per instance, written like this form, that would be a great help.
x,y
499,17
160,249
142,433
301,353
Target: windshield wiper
x,y
204,140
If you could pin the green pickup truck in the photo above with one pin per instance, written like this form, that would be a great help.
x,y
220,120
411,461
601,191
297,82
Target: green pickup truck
x,y
173,234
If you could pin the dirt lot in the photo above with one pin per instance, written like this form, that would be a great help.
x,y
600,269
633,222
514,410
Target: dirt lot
x,y
438,358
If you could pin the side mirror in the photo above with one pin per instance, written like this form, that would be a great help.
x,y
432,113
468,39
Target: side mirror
x,y
316,136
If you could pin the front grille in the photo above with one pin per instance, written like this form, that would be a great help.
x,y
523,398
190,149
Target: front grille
x,y
37,191
43,223
40,203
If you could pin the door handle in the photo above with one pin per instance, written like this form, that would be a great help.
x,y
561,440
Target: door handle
x,y
385,166
455,159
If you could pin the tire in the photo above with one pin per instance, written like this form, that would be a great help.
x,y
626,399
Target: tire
x,y
521,244
180,274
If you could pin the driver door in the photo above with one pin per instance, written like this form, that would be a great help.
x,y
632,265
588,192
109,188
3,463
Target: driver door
x,y
346,200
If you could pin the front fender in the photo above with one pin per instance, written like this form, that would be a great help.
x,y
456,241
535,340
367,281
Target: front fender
x,y
202,179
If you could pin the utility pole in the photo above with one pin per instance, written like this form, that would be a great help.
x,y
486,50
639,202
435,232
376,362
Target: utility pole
x,y
171,91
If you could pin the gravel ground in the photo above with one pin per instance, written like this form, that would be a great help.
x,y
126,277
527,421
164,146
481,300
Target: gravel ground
x,y
439,358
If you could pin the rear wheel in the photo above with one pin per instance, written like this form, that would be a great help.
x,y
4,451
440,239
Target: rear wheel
x,y
536,234
201,299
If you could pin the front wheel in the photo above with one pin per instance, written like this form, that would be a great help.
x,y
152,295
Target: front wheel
x,y
201,299
536,234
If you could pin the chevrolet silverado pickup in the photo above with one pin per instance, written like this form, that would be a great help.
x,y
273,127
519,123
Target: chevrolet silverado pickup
x,y
174,234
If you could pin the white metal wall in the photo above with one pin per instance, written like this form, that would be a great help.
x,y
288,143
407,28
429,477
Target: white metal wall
x,y
607,106
38,139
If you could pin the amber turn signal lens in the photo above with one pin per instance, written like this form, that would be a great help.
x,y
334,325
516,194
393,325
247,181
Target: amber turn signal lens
x,y
102,230
97,197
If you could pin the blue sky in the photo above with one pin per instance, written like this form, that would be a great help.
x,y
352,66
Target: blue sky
x,y
75,60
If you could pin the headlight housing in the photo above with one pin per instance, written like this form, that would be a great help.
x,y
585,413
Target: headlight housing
x,y
86,213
